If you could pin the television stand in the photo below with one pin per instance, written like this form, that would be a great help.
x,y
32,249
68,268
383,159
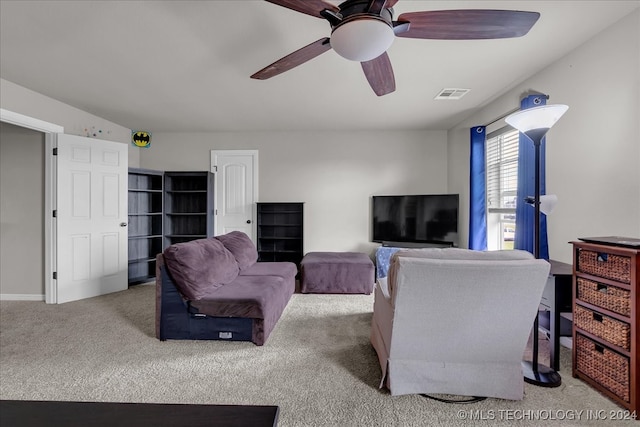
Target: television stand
x,y
418,244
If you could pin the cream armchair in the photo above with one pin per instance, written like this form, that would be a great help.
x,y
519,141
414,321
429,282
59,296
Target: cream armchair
x,y
456,321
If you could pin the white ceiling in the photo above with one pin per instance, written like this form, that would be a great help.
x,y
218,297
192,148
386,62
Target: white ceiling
x,y
185,65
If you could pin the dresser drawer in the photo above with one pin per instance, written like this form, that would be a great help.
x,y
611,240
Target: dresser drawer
x,y
602,264
612,298
608,368
606,306
609,329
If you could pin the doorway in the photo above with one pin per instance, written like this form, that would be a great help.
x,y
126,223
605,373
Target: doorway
x,y
22,200
47,129
50,176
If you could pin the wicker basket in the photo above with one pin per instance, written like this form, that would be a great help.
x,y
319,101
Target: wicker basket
x,y
605,296
605,366
609,329
614,267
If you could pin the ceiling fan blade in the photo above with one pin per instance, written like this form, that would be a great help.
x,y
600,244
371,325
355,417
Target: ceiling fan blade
x,y
468,24
294,59
310,7
379,73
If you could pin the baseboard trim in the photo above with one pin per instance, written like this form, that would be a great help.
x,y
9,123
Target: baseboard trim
x,y
21,297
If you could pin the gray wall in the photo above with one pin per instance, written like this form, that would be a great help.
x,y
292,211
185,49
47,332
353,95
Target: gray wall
x,y
593,152
21,211
334,173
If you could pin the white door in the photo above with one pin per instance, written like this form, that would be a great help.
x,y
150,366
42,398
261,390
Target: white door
x,y
91,212
236,190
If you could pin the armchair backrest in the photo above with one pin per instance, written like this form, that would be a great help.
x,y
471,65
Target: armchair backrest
x,y
460,306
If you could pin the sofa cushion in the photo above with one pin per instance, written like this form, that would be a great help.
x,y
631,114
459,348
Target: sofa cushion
x,y
242,248
200,266
247,296
286,270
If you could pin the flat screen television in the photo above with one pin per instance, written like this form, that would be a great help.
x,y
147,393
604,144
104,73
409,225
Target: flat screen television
x,y
426,218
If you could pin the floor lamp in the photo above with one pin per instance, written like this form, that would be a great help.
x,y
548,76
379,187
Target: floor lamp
x,y
534,124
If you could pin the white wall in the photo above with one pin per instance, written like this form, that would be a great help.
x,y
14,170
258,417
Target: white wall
x,y
333,173
593,152
24,101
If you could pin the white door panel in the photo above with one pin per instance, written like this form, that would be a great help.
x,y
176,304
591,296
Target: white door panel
x,y
91,217
235,190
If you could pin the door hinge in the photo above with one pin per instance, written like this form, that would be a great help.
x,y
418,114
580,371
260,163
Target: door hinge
x,y
214,169
215,211
55,213
55,275
55,151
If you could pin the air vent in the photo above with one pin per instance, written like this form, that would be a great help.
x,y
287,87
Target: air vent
x,y
452,93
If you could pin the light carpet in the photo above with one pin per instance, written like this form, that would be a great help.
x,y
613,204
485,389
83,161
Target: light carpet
x,y
317,365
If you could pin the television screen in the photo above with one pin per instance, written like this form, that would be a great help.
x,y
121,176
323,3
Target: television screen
x,y
429,218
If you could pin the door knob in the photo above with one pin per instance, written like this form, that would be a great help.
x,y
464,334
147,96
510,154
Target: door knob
x,y
123,224
248,221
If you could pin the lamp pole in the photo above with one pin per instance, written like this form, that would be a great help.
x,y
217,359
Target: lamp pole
x,y
533,372
536,242
534,124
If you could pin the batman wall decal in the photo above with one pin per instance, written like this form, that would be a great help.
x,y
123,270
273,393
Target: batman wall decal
x,y
141,139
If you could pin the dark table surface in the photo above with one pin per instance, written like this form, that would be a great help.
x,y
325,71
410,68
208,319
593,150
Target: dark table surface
x,y
25,413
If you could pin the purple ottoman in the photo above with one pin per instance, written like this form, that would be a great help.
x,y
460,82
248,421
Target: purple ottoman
x,y
336,273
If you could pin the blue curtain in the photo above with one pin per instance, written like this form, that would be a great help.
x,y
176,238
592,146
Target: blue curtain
x,y
477,190
524,238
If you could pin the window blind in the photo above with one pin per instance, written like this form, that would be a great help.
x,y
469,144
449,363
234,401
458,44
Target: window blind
x,y
502,170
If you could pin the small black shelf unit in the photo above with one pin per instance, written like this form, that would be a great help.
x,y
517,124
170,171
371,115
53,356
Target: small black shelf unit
x,y
145,232
188,201
280,231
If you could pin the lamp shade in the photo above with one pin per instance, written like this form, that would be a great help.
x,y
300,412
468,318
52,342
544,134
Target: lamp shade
x,y
548,202
362,39
535,122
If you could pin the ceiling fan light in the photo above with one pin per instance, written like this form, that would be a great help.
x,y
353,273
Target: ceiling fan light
x,y
362,39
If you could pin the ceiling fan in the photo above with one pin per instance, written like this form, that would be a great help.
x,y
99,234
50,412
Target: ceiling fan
x,y
363,30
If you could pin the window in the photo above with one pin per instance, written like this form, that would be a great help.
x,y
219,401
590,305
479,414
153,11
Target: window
x,y
502,185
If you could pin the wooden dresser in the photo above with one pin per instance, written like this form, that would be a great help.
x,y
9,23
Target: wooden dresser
x,y
606,281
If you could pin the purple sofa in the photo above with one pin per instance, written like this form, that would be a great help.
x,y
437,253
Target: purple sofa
x,y
215,289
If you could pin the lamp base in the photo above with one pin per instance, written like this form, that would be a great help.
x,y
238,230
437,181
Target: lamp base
x,y
542,376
